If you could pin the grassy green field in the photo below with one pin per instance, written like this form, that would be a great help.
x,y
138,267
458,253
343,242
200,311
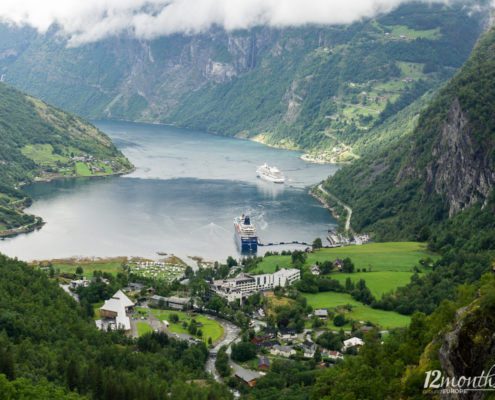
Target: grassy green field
x,y
392,256
330,299
143,327
42,154
210,327
411,70
113,267
360,312
82,169
378,282
414,34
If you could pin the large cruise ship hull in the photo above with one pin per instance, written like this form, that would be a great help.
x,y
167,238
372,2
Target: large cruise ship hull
x,y
246,245
270,179
245,235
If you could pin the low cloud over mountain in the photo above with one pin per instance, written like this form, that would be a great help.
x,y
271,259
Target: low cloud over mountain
x,y
92,20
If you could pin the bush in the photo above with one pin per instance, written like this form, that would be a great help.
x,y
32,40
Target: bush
x,y
339,320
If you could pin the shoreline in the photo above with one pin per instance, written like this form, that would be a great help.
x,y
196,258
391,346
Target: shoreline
x,y
305,157
40,223
324,203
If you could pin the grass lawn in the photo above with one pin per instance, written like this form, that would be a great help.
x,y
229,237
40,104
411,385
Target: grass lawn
x,y
330,299
210,328
386,319
96,308
379,282
143,327
113,267
82,169
360,312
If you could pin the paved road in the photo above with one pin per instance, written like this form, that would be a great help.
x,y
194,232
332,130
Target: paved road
x,y
349,210
73,294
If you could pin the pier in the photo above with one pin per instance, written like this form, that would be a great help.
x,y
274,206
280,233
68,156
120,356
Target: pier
x,y
282,243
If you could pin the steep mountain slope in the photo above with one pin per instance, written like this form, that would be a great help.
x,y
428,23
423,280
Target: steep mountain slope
x,y
41,142
309,87
445,166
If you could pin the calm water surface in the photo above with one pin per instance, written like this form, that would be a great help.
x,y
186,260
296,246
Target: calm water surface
x,y
187,188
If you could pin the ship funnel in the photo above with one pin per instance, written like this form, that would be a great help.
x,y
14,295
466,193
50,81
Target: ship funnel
x,y
247,221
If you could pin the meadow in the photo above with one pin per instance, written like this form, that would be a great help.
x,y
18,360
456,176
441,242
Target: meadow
x,y
379,282
387,265
359,312
210,328
112,266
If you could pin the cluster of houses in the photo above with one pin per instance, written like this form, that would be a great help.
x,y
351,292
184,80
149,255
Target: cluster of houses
x,y
85,158
244,284
75,283
158,270
337,264
271,341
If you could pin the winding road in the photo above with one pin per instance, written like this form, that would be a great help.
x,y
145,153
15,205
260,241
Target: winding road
x,y
349,209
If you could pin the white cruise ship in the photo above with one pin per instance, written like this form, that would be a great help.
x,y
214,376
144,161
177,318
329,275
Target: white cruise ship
x,y
271,174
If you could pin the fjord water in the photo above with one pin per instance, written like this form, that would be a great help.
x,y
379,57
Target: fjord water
x,y
187,188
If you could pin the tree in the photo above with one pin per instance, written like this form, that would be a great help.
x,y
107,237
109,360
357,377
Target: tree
x,y
79,270
339,320
243,351
317,244
349,285
73,375
231,262
215,303
348,266
317,355
174,318
298,257
222,362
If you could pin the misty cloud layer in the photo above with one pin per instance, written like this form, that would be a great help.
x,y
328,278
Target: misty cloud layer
x,y
91,20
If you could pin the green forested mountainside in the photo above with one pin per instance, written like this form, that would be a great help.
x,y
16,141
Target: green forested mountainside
x,y
39,141
49,345
435,185
316,88
408,185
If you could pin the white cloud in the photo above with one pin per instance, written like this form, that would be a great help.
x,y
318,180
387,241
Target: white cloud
x,y
92,20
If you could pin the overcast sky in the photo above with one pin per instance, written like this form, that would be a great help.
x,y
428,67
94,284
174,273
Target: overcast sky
x,y
92,20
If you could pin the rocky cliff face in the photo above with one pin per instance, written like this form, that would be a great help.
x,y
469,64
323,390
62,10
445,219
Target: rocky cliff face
x,y
461,169
129,78
468,349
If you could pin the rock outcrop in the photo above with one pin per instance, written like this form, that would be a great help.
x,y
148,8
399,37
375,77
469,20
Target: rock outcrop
x,y
468,350
461,170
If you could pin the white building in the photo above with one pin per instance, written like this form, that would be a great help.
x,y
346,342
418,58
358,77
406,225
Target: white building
x,y
243,284
284,351
315,270
117,308
79,282
352,342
